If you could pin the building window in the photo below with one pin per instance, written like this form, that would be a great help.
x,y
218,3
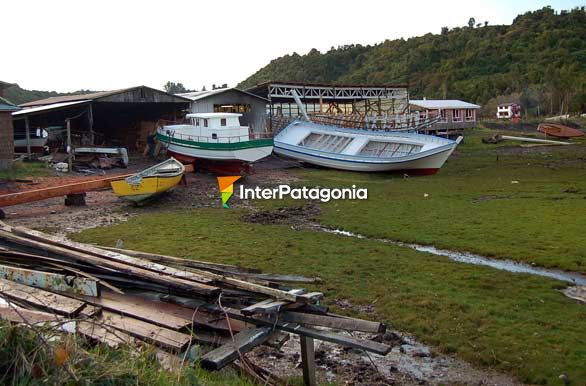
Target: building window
x,y
196,121
223,122
205,123
456,115
469,114
214,136
233,108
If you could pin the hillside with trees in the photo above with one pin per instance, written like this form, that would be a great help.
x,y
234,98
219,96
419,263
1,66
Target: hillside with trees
x,y
539,61
18,95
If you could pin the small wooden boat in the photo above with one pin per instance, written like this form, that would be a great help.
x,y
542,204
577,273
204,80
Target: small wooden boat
x,y
558,130
150,182
215,137
364,150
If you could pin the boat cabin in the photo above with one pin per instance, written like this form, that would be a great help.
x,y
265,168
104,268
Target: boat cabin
x,y
223,127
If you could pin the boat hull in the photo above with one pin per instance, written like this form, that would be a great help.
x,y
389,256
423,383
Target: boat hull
x,y
246,151
148,188
559,130
362,150
424,165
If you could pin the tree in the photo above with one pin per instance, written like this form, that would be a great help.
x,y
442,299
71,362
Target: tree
x,y
445,30
486,24
471,22
204,88
175,88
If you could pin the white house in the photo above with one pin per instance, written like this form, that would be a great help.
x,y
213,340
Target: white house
x,y
508,111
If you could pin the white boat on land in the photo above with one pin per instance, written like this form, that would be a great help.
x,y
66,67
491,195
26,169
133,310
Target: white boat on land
x,y
364,150
214,137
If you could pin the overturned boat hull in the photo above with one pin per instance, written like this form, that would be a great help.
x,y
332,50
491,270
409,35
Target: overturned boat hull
x,y
558,130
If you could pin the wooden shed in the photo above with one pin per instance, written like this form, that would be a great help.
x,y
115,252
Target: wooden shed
x,y
6,130
231,100
122,117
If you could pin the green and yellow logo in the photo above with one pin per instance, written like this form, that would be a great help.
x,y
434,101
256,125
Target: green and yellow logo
x,y
226,185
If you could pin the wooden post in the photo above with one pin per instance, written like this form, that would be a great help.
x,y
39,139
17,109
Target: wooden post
x,y
308,360
90,117
69,149
28,137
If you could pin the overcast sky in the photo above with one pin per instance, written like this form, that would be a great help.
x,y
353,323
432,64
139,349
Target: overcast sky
x,y
100,45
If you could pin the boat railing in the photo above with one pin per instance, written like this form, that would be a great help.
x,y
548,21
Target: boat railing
x,y
251,136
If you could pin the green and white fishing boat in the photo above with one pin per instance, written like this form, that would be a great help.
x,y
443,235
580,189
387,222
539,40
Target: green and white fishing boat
x,y
217,137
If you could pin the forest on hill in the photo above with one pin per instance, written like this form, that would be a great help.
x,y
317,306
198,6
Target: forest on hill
x,y
539,60
18,95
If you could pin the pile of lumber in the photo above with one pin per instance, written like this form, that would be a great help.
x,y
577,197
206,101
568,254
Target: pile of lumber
x,y
119,297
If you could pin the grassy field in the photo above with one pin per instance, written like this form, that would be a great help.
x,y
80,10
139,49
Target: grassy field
x,y
515,323
526,204
24,170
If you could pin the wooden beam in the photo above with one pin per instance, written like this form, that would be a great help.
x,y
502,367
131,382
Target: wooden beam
x,y
168,281
69,147
160,336
242,272
22,315
56,263
40,298
28,137
243,342
90,118
50,281
198,275
339,323
295,328
57,191
179,261
109,336
119,257
308,361
162,314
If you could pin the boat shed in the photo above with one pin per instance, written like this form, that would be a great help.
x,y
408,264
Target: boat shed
x,y
6,131
456,115
231,100
121,118
330,99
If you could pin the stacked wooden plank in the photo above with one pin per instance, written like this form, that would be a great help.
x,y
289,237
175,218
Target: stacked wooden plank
x,y
121,296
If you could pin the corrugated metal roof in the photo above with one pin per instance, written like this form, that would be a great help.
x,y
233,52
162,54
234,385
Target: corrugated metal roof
x,y
54,106
198,95
80,97
213,115
72,98
281,82
6,105
434,104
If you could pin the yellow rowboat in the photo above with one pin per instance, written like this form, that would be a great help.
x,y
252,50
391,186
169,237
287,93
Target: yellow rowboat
x,y
150,182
